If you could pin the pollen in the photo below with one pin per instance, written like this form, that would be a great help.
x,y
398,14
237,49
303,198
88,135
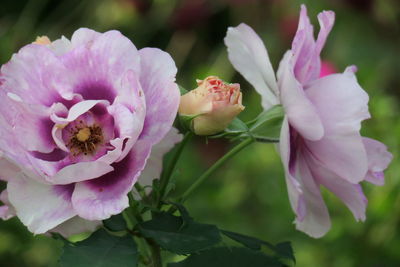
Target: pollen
x,y
83,134
85,139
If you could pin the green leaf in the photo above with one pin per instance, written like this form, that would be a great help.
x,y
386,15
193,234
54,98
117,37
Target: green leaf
x,y
184,213
101,250
169,232
282,250
235,128
285,250
267,125
232,257
182,90
247,241
115,223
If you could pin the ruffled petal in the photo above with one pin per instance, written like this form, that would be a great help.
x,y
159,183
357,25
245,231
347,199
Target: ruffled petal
x,y
7,211
301,113
326,20
154,163
8,169
351,194
316,221
303,46
249,56
162,95
341,104
60,46
128,124
84,37
378,160
29,125
39,206
80,171
306,50
75,226
75,111
36,75
293,186
100,198
97,65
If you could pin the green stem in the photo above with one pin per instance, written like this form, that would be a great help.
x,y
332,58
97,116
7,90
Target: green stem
x,y
155,254
166,176
214,167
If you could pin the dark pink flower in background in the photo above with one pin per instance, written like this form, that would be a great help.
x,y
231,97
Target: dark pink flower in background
x,y
327,68
78,121
320,142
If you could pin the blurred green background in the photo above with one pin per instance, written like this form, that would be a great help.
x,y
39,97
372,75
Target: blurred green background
x,y
248,194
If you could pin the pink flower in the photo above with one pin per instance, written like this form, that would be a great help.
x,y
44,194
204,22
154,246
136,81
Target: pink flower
x,y
320,143
214,103
78,119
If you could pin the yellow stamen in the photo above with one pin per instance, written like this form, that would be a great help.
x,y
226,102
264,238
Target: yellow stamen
x,y
83,134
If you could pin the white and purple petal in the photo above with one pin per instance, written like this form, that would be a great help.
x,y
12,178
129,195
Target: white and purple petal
x,y
39,206
157,78
98,199
249,56
342,105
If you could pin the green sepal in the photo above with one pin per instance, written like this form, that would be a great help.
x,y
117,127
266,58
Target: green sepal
x,y
186,121
182,90
267,126
236,128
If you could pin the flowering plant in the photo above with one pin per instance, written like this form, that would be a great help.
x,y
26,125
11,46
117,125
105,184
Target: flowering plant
x,y
89,143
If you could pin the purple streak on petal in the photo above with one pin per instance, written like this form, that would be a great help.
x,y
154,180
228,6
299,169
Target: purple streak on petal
x,y
161,92
378,160
47,207
25,124
306,50
129,125
303,46
326,20
342,105
301,112
316,222
293,186
65,191
55,155
351,194
36,75
46,125
96,91
100,57
100,198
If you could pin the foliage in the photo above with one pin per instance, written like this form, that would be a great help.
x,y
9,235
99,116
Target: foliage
x,y
100,250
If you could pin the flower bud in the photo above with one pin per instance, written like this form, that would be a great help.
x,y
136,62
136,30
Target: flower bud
x,y
42,40
213,103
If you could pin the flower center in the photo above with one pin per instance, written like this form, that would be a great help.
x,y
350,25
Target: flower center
x,y
85,139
